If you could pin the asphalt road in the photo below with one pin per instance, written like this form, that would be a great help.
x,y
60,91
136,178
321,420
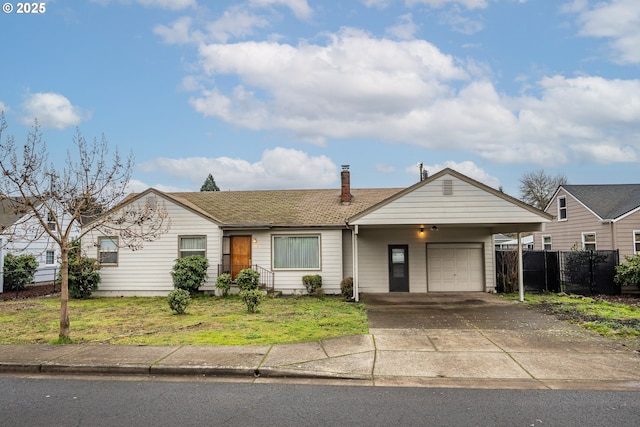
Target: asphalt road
x,y
46,401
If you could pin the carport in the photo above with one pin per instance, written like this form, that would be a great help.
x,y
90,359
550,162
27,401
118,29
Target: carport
x,y
436,236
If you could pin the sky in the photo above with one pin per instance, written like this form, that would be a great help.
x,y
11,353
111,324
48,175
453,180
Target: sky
x,y
278,94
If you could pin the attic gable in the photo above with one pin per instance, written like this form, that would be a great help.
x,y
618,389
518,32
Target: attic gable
x,y
449,197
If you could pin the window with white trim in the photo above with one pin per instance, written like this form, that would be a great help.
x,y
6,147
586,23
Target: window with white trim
x,y
589,241
192,245
50,258
296,252
108,250
636,242
562,208
51,222
546,243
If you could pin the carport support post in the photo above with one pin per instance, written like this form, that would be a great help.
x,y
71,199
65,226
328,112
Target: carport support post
x,y
354,244
520,278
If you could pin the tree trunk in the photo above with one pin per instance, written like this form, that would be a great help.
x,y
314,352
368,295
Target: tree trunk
x,y
64,293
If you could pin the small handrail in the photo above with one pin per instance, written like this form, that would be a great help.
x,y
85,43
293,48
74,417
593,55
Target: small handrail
x,y
266,279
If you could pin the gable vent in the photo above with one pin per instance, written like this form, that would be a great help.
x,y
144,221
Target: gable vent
x,y
447,187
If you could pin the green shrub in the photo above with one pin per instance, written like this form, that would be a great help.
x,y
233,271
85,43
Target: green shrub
x,y
18,271
248,280
252,298
223,282
313,283
83,274
628,271
179,300
189,273
346,288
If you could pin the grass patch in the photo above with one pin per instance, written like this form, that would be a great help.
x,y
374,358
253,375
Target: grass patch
x,y
208,321
611,319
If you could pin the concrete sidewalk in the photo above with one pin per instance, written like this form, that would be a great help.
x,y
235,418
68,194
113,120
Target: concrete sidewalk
x,y
477,341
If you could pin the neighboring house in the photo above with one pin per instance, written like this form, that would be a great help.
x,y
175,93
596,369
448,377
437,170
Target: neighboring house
x,y
503,242
593,217
434,236
24,235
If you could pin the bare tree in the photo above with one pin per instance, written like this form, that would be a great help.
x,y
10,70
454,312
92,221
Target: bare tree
x,y
537,188
67,203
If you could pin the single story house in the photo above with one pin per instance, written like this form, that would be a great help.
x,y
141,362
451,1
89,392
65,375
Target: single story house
x,y
593,217
434,236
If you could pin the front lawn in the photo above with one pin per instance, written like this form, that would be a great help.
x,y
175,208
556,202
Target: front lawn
x,y
608,315
208,321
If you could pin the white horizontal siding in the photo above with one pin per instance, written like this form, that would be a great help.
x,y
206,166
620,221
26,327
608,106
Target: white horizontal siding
x,y
290,281
148,271
468,204
373,264
27,237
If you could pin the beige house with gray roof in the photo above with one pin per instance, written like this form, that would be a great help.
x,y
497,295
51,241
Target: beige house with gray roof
x,y
593,217
431,237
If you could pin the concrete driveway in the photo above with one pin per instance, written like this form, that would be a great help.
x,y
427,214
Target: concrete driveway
x,y
477,336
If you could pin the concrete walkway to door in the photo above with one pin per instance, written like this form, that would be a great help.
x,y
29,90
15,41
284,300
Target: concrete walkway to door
x,y
483,341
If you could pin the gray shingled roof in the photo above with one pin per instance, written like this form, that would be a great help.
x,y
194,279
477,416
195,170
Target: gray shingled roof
x,y
10,212
282,207
608,201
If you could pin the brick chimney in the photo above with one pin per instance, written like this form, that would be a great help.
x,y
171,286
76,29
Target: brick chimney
x,y
345,177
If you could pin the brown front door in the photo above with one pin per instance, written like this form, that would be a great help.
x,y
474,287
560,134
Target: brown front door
x,y
240,254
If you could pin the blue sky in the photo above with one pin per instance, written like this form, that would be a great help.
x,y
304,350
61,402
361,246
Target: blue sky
x,y
279,93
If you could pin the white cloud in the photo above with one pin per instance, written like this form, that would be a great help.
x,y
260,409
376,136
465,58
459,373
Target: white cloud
x,y
162,4
467,168
3,107
357,86
235,22
615,20
469,4
52,110
378,4
300,8
137,186
460,23
329,91
278,168
179,32
405,29
605,153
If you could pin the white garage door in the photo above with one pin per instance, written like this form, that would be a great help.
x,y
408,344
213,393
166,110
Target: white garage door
x,y
455,267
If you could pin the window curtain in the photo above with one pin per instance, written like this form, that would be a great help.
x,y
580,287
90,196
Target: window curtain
x,y
192,246
192,243
302,252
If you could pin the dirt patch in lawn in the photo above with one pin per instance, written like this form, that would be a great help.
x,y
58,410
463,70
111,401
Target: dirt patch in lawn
x,y
623,328
30,291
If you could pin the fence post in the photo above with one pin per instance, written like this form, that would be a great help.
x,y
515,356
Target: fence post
x,y
1,265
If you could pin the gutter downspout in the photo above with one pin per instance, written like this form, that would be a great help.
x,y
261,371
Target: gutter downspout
x,y
520,269
354,241
614,237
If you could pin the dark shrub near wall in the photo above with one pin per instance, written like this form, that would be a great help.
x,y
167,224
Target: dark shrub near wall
x,y
189,273
19,271
312,283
